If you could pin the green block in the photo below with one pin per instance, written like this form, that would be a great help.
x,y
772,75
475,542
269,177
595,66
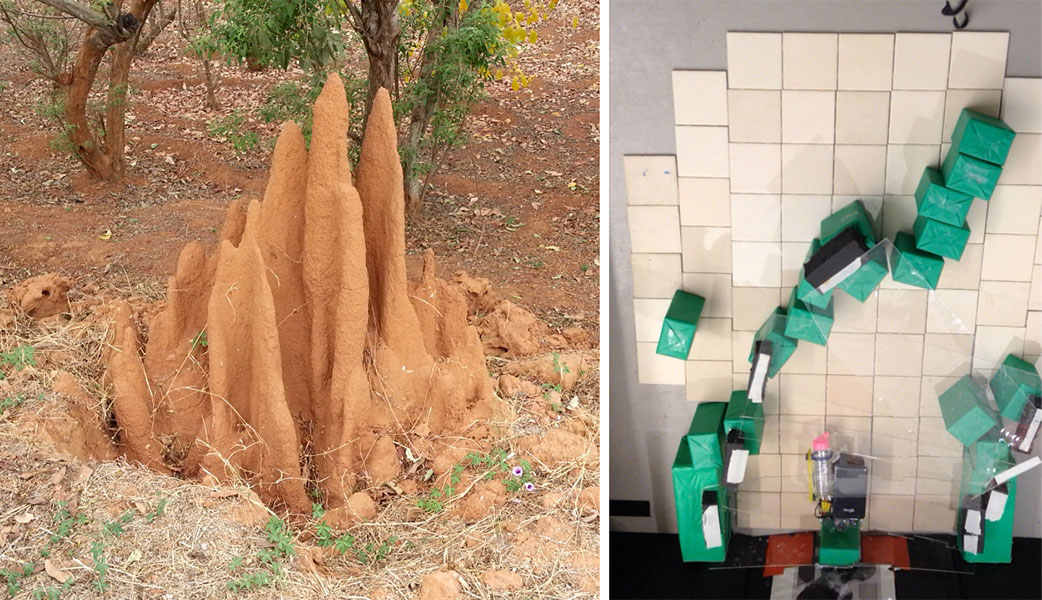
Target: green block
x,y
940,238
937,202
747,417
808,322
698,467
982,137
998,535
773,330
913,266
678,328
982,460
965,410
1012,384
969,175
806,292
840,548
853,214
865,280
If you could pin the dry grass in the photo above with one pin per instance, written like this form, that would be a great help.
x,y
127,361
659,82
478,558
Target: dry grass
x,y
187,551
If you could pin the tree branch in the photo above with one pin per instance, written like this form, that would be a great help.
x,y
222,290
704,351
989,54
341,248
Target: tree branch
x,y
81,12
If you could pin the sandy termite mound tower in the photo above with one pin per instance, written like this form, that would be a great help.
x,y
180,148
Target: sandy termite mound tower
x,y
317,348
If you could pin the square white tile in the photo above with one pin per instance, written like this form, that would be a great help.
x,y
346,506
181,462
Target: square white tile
x,y
802,394
1022,164
792,255
851,434
896,513
796,432
654,229
701,151
991,344
797,512
754,60
893,475
706,249
704,202
741,342
762,473
1003,303
756,264
752,306
715,288
932,388
708,380
656,275
1022,104
916,117
756,217
756,168
899,354
862,117
951,311
978,60
794,476
866,61
851,316
921,61
976,220
700,97
894,436
947,355
801,218
905,164
963,273
1015,209
1035,299
849,395
806,169
650,179
899,214
712,340
895,396
934,439
1007,257
759,510
851,353
809,359
648,314
809,61
808,117
939,475
902,311
934,514
657,369
986,102
754,115
860,170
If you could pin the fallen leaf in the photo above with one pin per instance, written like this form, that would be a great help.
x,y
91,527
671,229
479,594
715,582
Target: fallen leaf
x,y
134,557
106,236
55,572
24,518
58,476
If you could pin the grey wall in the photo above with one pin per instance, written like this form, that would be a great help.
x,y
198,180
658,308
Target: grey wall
x,y
650,38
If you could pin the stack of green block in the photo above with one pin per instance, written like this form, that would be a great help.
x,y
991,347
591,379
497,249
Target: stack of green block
x,y
697,468
839,548
745,416
913,266
1012,384
941,238
782,346
808,322
678,328
980,463
806,292
866,279
980,145
966,413
939,203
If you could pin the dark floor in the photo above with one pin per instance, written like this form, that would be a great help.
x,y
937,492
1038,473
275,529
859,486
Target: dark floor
x,y
648,565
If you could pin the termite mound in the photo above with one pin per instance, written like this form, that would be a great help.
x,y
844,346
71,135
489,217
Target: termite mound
x,y
294,355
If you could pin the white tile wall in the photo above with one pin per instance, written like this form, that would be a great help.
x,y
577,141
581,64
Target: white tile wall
x,y
799,126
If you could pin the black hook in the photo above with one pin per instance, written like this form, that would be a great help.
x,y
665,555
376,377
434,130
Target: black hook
x,y
948,11
965,21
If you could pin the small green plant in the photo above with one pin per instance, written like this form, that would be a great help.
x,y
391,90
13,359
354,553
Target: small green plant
x,y
373,553
522,478
11,402
324,533
65,521
101,566
556,406
17,359
158,510
200,341
271,558
493,463
232,128
14,577
53,592
559,367
115,527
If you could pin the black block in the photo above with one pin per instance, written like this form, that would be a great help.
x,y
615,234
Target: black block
x,y
836,255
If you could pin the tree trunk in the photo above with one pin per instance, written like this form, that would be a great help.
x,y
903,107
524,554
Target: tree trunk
x,y
380,31
103,158
155,28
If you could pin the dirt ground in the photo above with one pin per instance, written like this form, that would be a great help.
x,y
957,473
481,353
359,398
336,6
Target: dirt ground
x,y
517,204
